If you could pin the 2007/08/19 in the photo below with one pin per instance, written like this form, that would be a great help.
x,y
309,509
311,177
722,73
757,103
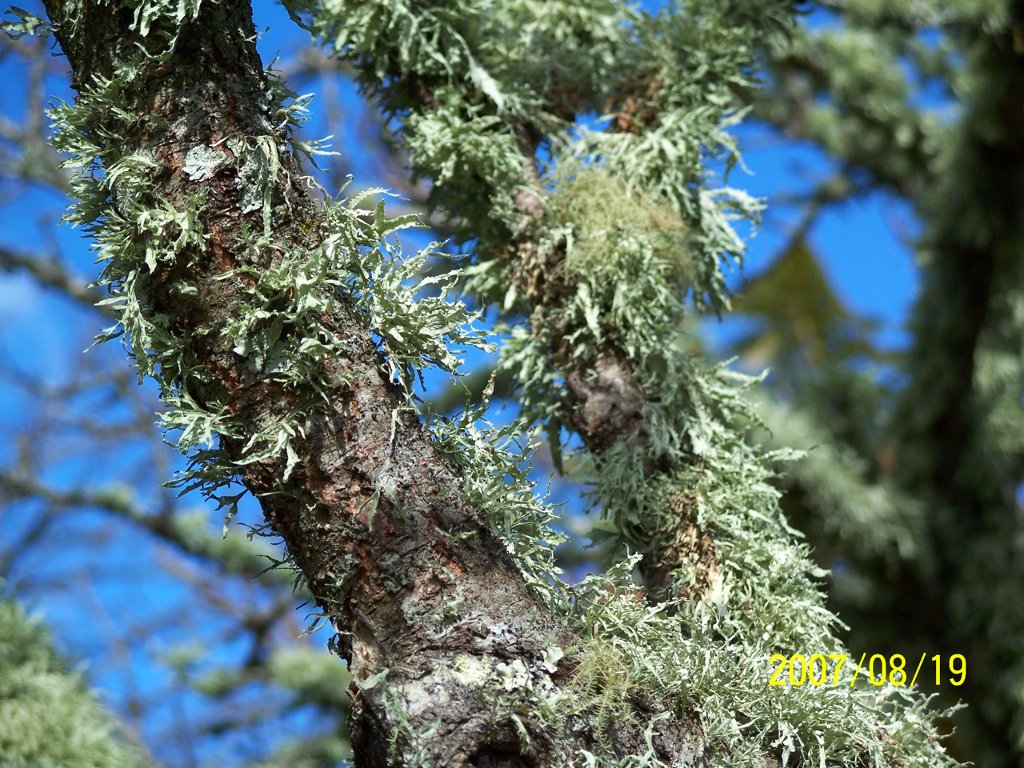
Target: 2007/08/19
x,y
798,670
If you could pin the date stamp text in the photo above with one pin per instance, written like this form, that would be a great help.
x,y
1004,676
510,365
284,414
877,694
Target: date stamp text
x,y
825,669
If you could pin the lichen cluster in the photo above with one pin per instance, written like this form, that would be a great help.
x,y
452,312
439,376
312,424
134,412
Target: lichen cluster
x,y
641,227
47,715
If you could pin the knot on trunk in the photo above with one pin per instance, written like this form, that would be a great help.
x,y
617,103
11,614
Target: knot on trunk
x,y
608,402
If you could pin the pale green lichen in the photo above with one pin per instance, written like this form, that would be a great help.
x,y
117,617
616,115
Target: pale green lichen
x,y
24,23
675,232
47,715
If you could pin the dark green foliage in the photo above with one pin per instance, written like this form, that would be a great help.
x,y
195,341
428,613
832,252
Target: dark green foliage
x,y
922,99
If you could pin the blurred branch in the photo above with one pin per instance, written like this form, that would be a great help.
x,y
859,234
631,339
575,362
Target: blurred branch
x,y
187,532
52,274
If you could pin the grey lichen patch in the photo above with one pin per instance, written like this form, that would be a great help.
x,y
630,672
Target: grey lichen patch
x,y
368,653
506,685
421,696
202,163
428,609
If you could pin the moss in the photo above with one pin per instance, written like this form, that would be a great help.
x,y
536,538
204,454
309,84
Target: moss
x,y
600,215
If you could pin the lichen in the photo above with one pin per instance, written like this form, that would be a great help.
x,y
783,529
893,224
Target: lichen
x,y
675,233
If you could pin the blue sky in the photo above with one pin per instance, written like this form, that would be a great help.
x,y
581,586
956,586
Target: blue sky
x,y
865,246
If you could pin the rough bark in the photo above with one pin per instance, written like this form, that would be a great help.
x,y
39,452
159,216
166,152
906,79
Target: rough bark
x,y
372,514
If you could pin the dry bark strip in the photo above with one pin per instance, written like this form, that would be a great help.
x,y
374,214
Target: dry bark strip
x,y
369,511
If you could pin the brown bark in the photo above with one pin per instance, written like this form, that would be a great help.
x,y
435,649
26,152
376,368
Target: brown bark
x,y
372,514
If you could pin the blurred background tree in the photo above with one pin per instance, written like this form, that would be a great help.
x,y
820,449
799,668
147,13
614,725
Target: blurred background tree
x,y
906,115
